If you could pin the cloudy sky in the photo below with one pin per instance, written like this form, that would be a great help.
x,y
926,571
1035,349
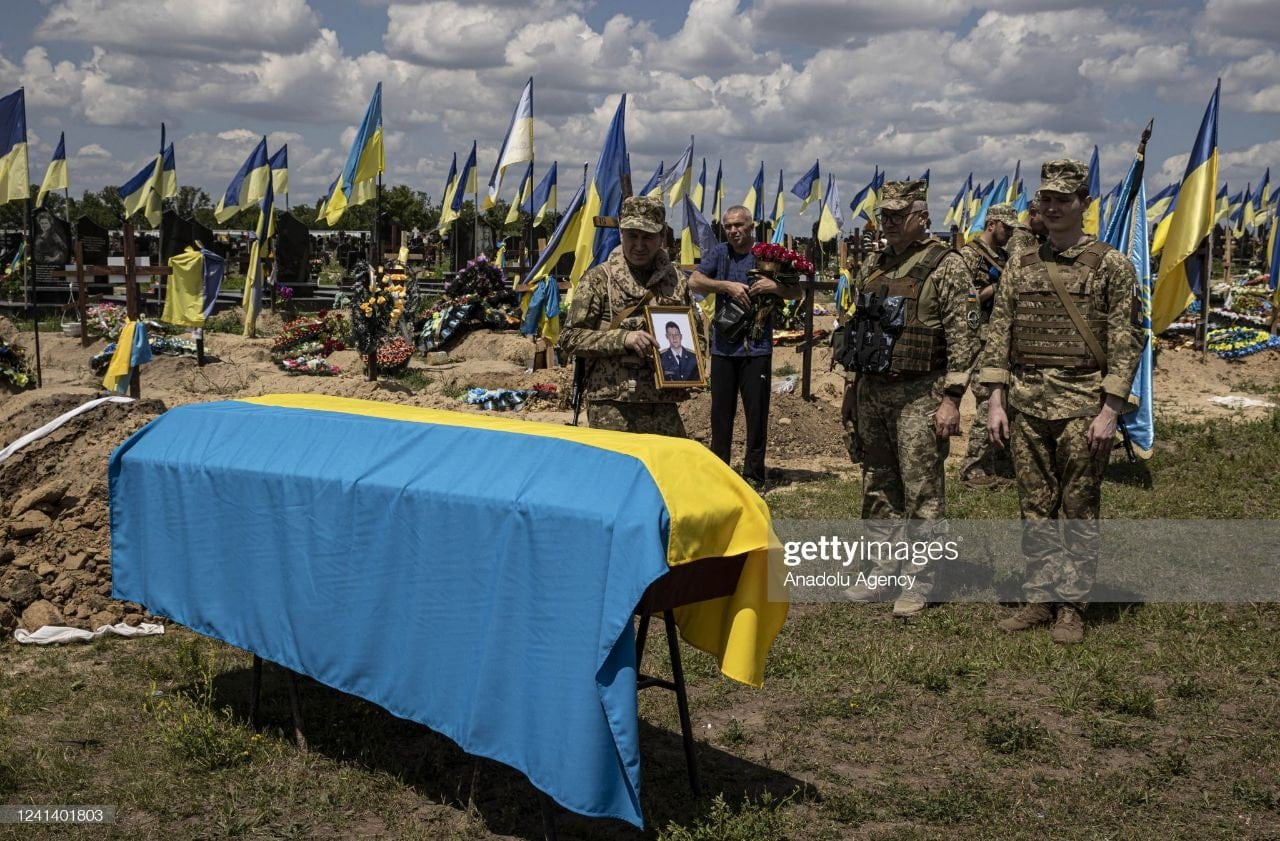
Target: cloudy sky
x,y
906,84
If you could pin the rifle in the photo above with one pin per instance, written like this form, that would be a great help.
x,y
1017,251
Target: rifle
x,y
579,385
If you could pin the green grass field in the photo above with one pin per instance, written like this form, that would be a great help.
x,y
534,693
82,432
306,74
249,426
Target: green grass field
x,y
1162,725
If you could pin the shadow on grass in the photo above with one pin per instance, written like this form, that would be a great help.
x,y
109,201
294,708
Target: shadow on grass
x,y
1135,474
348,729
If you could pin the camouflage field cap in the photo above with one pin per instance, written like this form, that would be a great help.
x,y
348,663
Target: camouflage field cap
x,y
1003,213
643,213
898,195
1063,176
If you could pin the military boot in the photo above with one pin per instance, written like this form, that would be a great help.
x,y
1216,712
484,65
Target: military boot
x,y
1033,614
1068,627
909,604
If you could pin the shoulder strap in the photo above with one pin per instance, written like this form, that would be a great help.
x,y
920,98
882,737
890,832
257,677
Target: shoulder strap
x,y
1092,254
1030,257
618,318
935,252
1060,289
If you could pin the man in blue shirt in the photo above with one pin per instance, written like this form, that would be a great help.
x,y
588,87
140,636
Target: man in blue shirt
x,y
743,368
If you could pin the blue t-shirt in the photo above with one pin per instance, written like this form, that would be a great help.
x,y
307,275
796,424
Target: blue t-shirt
x,y
723,263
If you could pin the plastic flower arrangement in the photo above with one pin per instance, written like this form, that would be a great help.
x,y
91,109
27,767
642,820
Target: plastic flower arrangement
x,y
304,343
377,304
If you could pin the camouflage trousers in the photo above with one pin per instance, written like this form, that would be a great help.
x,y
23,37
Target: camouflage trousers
x,y
902,459
621,416
1059,490
982,457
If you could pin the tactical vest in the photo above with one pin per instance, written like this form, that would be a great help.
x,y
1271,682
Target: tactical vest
x,y
1043,333
887,334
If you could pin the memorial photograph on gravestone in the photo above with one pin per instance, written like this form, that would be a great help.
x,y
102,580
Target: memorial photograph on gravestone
x,y
51,245
293,249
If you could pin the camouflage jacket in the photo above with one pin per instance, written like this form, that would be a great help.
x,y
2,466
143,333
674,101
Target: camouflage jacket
x,y
1021,240
613,372
981,259
946,301
1059,393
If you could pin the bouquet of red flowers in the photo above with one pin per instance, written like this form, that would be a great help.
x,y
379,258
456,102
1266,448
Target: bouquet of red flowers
x,y
782,264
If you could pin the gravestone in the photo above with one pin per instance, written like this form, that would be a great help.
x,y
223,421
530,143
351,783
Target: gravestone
x,y
293,250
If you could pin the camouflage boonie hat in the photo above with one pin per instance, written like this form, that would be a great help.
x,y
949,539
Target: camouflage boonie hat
x,y
1063,176
643,213
898,195
1003,213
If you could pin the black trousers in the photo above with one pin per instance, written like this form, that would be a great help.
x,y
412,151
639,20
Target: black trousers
x,y
749,376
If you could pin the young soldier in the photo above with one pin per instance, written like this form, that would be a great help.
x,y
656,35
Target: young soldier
x,y
1061,351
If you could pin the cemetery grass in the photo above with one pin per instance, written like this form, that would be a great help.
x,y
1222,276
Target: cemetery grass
x,y
1162,725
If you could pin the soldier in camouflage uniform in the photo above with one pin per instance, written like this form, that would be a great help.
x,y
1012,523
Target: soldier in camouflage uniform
x,y
1066,371
986,465
906,416
607,326
1031,235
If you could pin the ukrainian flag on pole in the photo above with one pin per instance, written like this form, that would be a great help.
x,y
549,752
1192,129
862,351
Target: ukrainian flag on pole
x,y
779,208
517,146
247,186
1262,199
446,199
253,281
604,197
980,218
563,240
755,197
1273,255
466,182
15,181
653,187
137,192
1192,221
356,183
700,187
809,187
523,194
55,177
1127,233
679,178
832,217
279,165
1093,212
544,196
717,197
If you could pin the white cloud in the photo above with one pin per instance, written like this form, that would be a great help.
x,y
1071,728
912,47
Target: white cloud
x,y
210,30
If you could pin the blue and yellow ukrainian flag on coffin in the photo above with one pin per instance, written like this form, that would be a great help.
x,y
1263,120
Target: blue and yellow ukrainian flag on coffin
x,y
477,575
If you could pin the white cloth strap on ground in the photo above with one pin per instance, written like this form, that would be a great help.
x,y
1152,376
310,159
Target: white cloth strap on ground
x,y
50,634
57,422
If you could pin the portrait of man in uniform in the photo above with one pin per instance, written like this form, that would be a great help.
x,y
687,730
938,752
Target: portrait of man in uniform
x,y
679,363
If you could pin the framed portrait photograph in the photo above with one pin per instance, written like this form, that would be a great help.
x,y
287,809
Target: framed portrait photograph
x,y
678,359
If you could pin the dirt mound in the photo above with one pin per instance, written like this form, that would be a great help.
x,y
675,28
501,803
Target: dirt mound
x,y
55,558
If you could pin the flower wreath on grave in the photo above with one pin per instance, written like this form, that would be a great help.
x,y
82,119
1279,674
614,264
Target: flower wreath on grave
x,y
304,343
478,296
15,373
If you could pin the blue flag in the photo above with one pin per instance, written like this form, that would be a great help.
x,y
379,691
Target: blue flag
x,y
1127,232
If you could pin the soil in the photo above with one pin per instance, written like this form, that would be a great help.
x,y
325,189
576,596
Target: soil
x,y
55,542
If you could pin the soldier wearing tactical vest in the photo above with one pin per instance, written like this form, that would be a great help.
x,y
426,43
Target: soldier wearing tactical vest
x,y
1061,352
986,465
607,326
912,340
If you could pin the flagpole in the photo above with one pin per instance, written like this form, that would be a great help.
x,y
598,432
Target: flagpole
x,y
475,225
377,225
31,286
66,196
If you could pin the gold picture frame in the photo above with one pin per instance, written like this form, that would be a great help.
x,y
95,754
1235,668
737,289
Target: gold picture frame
x,y
687,368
